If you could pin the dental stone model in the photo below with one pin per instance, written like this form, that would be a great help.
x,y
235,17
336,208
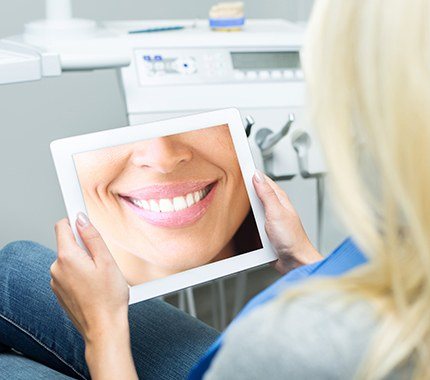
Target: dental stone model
x,y
228,17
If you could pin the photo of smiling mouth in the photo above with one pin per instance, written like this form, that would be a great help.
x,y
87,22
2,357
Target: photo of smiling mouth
x,y
171,205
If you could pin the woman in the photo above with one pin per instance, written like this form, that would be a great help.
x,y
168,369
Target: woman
x,y
168,204
367,63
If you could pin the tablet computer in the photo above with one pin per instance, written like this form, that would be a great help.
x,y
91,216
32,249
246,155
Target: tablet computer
x,y
173,199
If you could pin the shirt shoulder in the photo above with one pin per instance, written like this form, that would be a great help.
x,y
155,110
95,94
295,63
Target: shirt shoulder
x,y
314,336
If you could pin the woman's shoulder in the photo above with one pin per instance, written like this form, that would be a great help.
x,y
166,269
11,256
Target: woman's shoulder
x,y
317,335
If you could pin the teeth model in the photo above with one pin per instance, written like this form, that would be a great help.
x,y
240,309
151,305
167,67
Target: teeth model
x,y
171,204
227,16
227,10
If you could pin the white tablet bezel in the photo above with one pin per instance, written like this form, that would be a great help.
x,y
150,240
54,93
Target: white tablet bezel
x,y
63,151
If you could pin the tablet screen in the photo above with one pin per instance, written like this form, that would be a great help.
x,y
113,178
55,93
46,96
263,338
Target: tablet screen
x,y
168,204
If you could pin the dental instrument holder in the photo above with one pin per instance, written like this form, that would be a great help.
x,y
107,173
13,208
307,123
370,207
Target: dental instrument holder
x,y
301,142
266,140
249,124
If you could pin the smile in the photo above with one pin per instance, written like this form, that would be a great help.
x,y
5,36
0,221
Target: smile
x,y
175,205
172,204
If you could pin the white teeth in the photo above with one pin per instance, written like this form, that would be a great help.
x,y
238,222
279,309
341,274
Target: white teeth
x,y
170,205
145,205
166,205
154,205
141,203
197,196
190,199
179,203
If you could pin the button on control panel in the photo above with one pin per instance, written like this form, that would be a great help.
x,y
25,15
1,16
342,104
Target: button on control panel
x,y
288,74
158,65
203,66
268,75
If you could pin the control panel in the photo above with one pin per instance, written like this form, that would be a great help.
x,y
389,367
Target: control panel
x,y
157,67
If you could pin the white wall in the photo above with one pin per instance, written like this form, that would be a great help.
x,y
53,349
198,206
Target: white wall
x,y
33,114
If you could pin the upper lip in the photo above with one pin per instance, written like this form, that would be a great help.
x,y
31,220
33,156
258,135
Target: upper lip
x,y
167,190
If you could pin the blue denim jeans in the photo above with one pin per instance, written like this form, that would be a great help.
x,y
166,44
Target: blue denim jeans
x,y
166,342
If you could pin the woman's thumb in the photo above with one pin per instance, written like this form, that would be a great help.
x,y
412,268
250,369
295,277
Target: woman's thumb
x,y
91,238
267,195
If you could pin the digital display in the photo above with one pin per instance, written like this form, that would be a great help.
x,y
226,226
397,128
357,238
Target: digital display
x,y
266,60
168,204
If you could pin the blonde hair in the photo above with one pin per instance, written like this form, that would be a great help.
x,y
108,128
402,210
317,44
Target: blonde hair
x,y
367,63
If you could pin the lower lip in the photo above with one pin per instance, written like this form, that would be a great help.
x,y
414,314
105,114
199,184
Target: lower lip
x,y
175,219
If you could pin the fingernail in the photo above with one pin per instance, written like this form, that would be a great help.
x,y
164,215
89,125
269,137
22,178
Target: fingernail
x,y
259,176
82,220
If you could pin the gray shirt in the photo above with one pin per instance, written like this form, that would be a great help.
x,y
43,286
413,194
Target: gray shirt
x,y
312,337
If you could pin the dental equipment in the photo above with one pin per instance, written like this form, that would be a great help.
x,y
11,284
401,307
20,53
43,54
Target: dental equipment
x,y
78,44
157,30
266,140
166,28
21,63
301,142
227,16
249,120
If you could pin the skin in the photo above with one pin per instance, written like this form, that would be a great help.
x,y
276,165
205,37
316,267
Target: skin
x,y
94,292
144,251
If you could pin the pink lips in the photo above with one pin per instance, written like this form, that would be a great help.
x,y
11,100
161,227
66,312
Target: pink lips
x,y
173,219
168,190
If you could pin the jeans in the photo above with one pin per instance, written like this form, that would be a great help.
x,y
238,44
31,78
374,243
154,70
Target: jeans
x,y
165,342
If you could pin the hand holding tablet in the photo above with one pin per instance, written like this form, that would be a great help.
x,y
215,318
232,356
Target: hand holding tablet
x,y
173,200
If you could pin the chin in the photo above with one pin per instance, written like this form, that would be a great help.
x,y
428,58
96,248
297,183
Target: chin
x,y
179,263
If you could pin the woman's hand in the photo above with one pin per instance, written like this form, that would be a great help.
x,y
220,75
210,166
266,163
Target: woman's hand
x,y
93,291
283,226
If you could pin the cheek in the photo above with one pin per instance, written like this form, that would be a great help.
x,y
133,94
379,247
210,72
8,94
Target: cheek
x,y
235,185
241,201
240,197
97,170
234,172
95,180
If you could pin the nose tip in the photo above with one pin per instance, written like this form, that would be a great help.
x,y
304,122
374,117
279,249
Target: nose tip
x,y
163,155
